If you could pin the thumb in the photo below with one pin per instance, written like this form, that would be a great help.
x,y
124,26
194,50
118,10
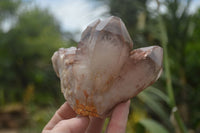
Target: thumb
x,y
73,125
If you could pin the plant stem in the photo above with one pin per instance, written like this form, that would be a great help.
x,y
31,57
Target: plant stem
x,y
180,122
167,72
172,102
170,88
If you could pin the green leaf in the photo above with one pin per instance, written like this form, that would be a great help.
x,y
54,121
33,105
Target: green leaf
x,y
154,105
159,93
153,126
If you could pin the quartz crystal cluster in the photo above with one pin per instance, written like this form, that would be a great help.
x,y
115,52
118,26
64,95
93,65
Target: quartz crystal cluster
x,y
104,70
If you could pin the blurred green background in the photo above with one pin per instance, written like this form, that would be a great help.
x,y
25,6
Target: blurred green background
x,y
31,30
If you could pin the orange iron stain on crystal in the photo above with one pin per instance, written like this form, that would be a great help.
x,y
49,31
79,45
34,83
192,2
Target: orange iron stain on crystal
x,y
85,110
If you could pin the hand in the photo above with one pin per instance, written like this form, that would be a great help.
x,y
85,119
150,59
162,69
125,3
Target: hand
x,y
66,120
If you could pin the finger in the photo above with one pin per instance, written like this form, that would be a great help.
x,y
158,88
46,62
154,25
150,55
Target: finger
x,y
73,125
64,112
119,118
95,125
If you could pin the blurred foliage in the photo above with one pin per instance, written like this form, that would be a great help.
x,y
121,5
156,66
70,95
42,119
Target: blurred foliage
x,y
25,53
27,77
26,74
8,8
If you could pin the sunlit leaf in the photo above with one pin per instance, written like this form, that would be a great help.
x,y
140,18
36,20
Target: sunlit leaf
x,y
153,126
159,93
154,105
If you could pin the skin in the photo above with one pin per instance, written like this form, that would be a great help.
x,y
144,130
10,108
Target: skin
x,y
65,120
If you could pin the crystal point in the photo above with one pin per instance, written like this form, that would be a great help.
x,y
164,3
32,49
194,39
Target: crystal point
x,y
103,71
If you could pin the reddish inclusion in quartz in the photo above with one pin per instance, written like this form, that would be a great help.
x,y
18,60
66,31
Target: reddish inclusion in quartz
x,y
103,71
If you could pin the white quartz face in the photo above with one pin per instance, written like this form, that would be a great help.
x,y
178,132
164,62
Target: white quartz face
x,y
103,70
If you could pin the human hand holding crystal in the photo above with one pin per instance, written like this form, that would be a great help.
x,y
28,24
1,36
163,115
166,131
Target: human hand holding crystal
x,y
65,120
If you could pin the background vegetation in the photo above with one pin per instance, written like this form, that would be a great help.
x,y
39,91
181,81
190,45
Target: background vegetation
x,y
29,88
